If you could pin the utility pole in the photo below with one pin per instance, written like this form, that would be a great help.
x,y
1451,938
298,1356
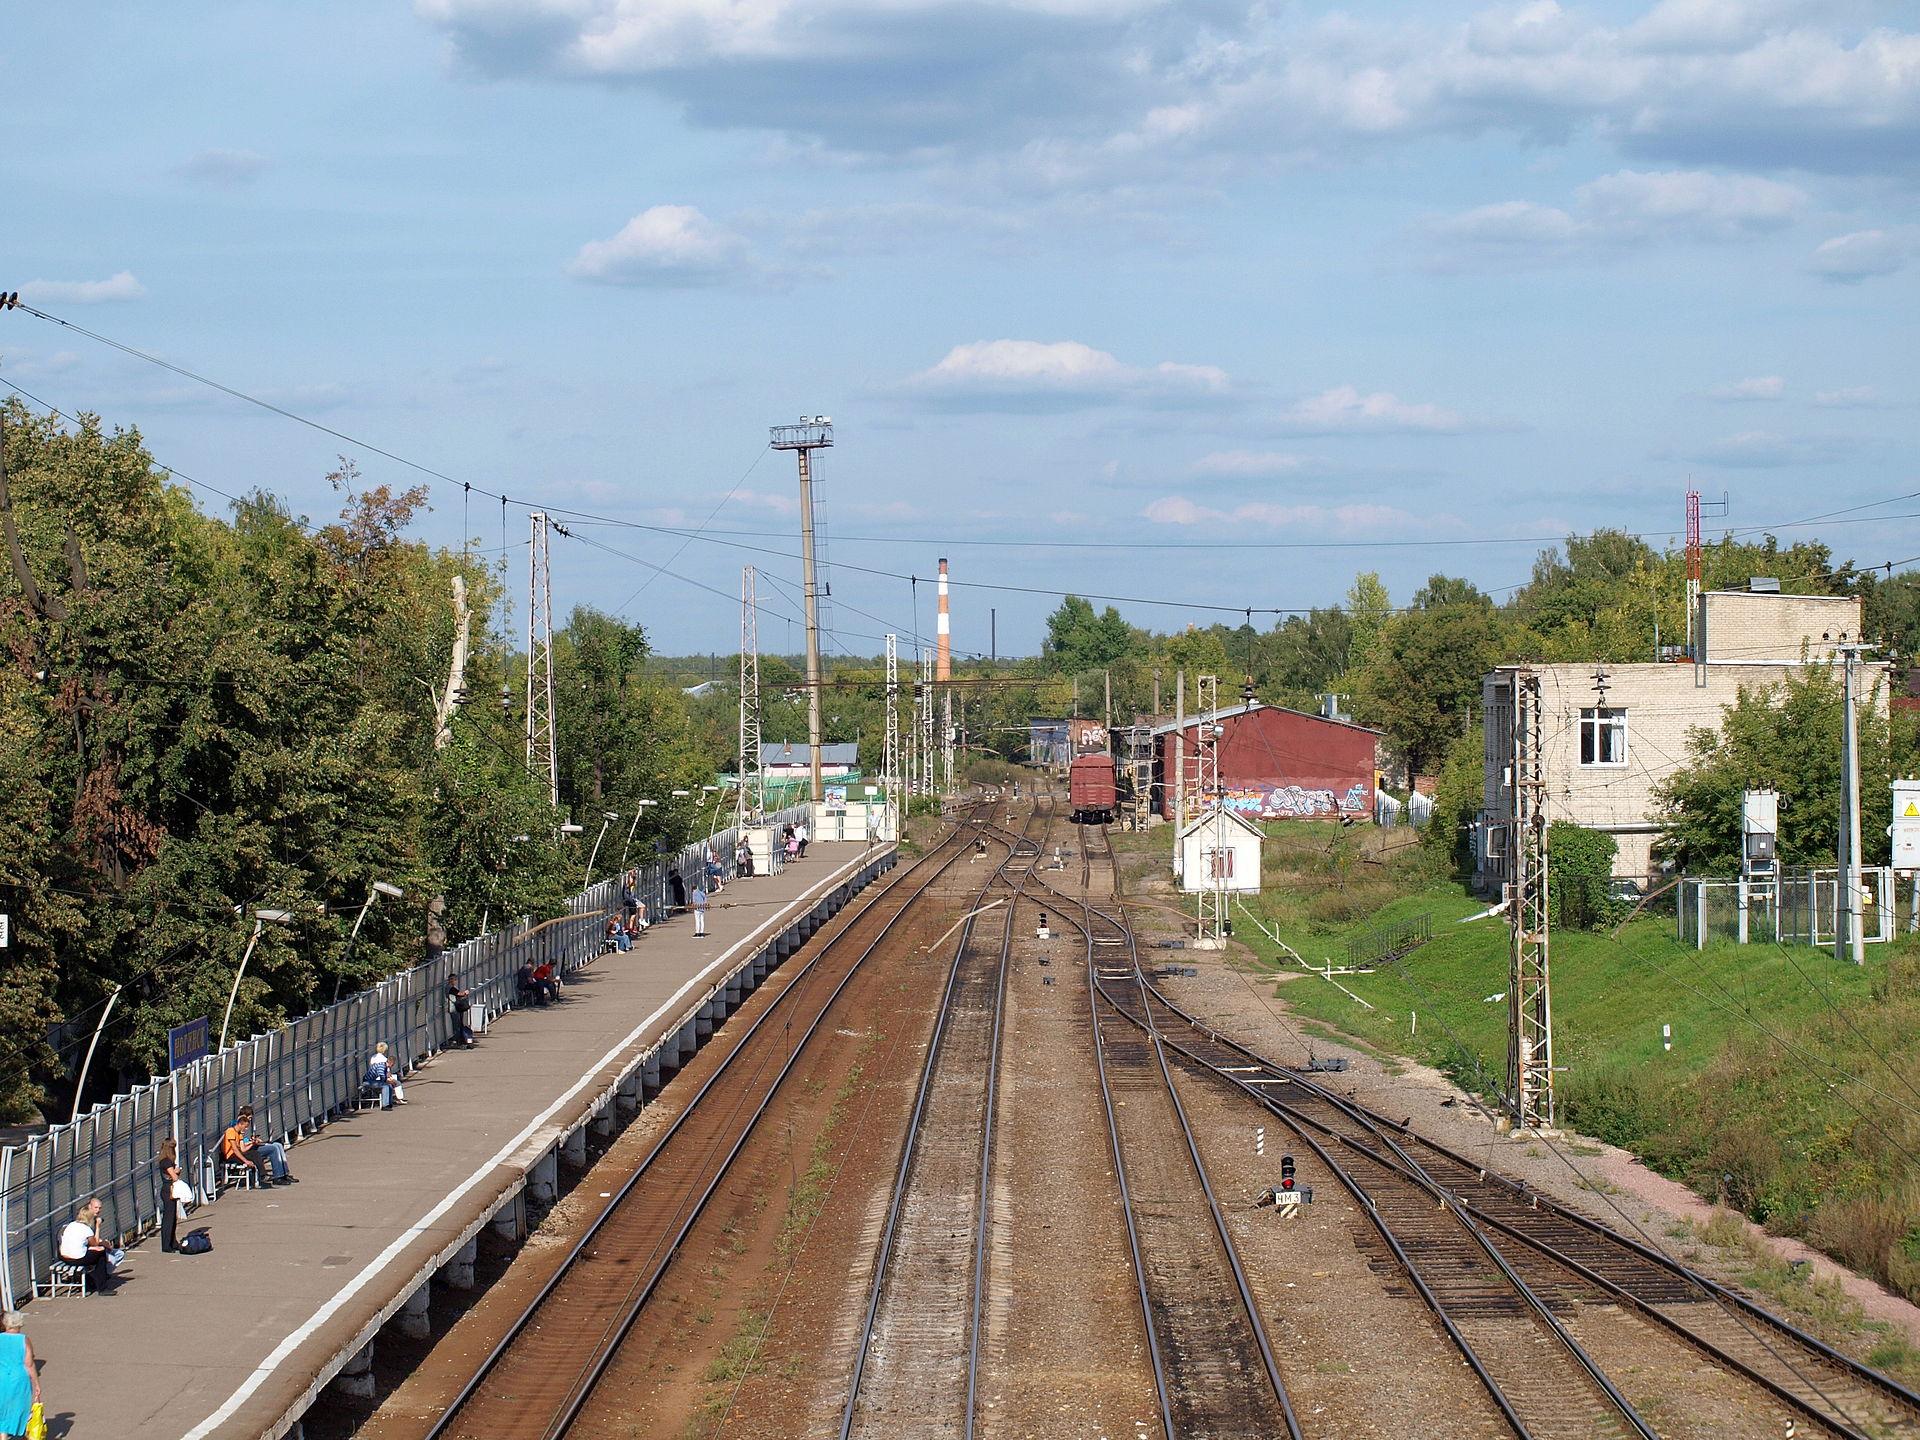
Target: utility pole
x,y
1106,677
543,756
814,432
1850,931
752,799
1179,758
943,676
993,636
890,750
1529,1004
924,722
1209,893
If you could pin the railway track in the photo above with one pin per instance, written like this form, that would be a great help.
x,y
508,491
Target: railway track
x,y
1582,1260
1213,1365
1431,1202
927,1289
538,1379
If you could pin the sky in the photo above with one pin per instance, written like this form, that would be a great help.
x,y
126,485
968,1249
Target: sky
x,y
1237,298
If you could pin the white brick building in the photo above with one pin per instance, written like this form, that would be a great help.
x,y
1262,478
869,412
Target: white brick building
x,y
1614,732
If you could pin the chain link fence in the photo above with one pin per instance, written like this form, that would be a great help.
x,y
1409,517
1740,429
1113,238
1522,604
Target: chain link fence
x,y
1794,907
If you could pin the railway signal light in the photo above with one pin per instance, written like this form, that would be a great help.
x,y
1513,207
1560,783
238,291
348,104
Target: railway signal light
x,y
1286,1172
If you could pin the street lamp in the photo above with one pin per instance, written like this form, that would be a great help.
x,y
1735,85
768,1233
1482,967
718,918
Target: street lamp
x,y
261,919
380,887
639,809
607,818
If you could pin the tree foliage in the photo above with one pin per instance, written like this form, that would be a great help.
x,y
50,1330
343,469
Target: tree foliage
x,y
1783,737
201,716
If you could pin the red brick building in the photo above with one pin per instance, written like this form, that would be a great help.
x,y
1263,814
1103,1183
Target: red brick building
x,y
1275,764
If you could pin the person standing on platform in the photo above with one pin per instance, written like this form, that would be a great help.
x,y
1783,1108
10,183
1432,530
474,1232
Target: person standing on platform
x,y
699,909
166,1172
460,1006
800,834
19,1377
676,883
743,859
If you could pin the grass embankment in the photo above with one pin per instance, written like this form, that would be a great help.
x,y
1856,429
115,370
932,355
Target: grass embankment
x,y
1792,1090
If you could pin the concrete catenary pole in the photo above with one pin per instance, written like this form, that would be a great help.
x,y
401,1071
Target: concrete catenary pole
x,y
1849,931
814,432
943,676
1179,760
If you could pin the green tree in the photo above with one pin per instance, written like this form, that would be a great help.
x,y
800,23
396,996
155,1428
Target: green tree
x,y
1369,610
1422,683
1079,640
1784,737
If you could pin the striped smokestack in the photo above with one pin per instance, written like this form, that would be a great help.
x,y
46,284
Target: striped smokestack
x,y
943,642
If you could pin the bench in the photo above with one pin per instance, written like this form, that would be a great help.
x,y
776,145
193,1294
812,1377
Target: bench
x,y
62,1277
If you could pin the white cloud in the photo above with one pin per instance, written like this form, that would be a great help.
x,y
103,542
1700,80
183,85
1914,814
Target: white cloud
x,y
1856,397
1108,92
1756,387
670,247
1616,211
228,169
1250,464
1060,374
1343,410
776,501
1179,510
1765,450
120,286
1849,259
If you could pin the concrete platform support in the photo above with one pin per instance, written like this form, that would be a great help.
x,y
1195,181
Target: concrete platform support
x,y
573,1149
631,1094
689,1041
650,1076
703,1019
509,1223
356,1376
607,1121
543,1181
415,1319
458,1272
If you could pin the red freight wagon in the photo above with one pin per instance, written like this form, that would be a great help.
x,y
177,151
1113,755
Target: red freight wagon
x,y
1090,790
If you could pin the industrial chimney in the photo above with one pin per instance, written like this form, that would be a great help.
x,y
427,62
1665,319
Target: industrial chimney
x,y
943,643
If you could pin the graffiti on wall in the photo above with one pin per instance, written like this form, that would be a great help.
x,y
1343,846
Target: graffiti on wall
x,y
1295,802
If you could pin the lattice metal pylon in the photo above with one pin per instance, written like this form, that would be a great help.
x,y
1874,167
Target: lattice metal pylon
x,y
925,719
752,799
1529,1002
1210,896
890,751
543,755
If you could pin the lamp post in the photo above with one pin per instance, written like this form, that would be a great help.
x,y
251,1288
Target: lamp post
x,y
261,919
607,817
379,888
639,809
80,1088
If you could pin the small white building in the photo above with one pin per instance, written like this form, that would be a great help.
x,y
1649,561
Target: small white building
x,y
1220,850
785,760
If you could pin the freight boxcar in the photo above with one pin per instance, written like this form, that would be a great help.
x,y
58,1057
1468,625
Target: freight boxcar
x,y
1090,790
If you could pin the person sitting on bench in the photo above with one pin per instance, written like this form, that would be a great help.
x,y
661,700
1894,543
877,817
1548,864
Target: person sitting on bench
x,y
81,1245
546,981
526,988
266,1158
381,1078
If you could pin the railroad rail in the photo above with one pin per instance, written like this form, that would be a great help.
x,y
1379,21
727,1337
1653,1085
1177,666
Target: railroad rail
x,y
1536,1233
1546,1247
1213,1364
536,1381
924,1287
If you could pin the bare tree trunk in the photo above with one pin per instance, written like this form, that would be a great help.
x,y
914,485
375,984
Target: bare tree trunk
x,y
457,671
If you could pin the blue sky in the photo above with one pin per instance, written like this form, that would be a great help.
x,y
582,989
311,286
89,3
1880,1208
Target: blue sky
x,y
1166,273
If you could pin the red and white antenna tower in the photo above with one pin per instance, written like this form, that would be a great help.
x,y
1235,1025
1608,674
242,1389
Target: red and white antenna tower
x,y
1695,567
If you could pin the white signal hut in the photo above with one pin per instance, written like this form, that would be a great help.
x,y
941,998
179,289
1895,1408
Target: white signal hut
x,y
1220,850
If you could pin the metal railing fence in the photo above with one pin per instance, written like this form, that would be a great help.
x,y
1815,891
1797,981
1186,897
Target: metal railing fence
x,y
296,1078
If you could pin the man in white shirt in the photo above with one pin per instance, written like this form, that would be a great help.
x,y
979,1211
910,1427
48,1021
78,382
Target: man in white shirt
x,y
800,834
80,1244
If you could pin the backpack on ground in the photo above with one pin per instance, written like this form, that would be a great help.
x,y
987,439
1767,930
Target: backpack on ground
x,y
196,1242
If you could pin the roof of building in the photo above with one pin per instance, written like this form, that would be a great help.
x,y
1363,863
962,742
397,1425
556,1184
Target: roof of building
x,y
1234,815
1236,710
786,752
704,688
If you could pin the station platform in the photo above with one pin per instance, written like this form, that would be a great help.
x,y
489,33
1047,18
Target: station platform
x,y
240,1341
